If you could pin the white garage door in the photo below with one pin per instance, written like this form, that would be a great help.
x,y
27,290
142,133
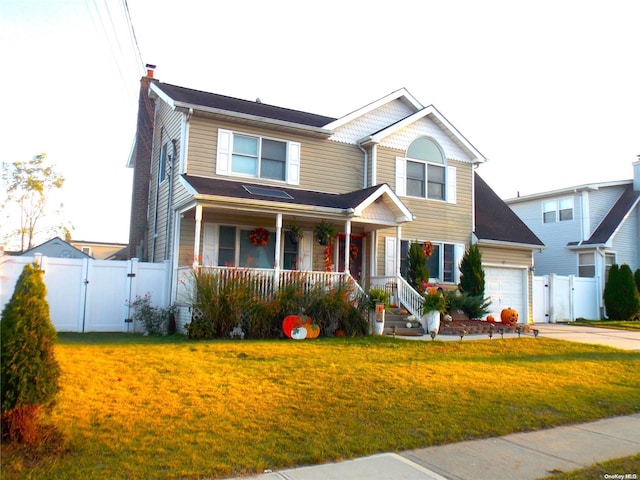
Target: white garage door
x,y
507,289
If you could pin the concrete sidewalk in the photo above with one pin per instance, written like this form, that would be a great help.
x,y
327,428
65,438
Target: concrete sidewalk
x,y
522,456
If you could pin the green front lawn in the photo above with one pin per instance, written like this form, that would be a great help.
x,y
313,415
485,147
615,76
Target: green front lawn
x,y
161,407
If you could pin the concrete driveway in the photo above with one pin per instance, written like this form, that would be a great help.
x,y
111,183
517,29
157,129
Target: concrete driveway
x,y
623,339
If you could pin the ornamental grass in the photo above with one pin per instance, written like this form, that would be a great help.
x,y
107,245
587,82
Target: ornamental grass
x,y
165,407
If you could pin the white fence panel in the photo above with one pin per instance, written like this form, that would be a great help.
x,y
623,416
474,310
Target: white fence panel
x,y
585,298
565,298
86,295
541,299
560,301
106,308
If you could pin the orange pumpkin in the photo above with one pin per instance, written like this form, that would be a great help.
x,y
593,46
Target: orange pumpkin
x,y
491,319
509,316
313,331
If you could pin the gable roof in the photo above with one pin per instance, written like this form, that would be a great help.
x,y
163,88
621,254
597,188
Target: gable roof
x,y
496,222
181,97
401,94
616,216
346,204
434,114
55,242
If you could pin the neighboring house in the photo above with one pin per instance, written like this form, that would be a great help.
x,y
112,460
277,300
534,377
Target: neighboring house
x,y
56,248
210,170
585,228
102,250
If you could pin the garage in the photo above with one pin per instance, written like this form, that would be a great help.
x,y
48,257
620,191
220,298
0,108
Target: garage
x,y
507,288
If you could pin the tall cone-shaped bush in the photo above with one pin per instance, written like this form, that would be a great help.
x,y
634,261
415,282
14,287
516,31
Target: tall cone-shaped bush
x,y
29,369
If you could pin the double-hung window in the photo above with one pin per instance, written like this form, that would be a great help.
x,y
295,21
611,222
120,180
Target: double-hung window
x,y
258,157
557,210
442,263
424,173
587,264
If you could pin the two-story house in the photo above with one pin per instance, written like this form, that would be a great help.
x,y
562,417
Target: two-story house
x,y
219,180
585,228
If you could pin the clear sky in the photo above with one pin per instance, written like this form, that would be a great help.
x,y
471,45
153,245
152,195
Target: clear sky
x,y
548,91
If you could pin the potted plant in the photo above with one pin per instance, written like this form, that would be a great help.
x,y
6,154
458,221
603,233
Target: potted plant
x,y
294,232
378,298
325,232
434,305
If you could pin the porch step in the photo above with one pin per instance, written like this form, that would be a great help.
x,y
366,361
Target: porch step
x,y
395,323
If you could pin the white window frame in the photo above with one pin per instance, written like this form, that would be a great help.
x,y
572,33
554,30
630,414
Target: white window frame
x,y
458,253
449,180
554,206
224,157
585,265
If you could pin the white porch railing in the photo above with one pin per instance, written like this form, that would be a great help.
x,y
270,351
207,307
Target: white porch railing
x,y
401,292
264,282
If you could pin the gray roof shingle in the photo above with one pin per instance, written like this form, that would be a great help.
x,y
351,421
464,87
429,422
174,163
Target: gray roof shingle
x,y
496,221
614,218
237,105
233,189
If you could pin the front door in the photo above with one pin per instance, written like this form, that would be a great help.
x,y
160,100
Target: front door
x,y
355,256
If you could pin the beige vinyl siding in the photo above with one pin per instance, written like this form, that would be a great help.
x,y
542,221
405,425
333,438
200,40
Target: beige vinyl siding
x,y
505,255
168,128
501,255
324,165
434,220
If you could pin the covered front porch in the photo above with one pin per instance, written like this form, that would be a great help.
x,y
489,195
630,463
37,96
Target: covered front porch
x,y
244,232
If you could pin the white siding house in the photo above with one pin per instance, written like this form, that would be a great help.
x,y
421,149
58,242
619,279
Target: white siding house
x,y
585,228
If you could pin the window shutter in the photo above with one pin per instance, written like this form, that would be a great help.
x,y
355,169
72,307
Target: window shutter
x,y
401,176
306,251
209,257
459,253
451,185
293,164
390,257
223,158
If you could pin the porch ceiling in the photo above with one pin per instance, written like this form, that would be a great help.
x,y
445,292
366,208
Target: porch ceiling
x,y
377,205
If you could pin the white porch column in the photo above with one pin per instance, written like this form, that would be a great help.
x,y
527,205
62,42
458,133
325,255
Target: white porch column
x,y
196,242
373,254
276,263
347,245
398,248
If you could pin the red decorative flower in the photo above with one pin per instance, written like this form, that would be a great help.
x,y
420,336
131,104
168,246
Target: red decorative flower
x,y
428,249
259,237
353,251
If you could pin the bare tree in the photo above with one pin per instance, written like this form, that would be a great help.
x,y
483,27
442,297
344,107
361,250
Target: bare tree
x,y
29,185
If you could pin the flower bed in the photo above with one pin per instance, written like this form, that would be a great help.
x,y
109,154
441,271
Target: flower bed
x,y
474,327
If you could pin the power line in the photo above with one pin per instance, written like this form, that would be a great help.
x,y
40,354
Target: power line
x,y
132,33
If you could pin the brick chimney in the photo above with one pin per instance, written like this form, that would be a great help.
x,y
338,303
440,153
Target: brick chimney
x,y
141,169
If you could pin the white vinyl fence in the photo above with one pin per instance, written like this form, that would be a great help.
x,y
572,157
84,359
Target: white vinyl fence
x,y
87,295
564,299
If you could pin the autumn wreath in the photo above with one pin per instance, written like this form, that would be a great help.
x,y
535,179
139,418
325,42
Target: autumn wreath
x,y
259,237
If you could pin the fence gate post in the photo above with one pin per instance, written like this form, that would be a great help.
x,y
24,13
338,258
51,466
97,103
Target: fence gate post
x,y
131,293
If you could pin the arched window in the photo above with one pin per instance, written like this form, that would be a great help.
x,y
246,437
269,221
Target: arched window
x,y
426,168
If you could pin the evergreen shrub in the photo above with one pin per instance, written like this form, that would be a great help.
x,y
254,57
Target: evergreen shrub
x,y
621,297
29,369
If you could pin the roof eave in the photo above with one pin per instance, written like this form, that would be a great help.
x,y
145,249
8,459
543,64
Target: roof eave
x,y
506,243
376,138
